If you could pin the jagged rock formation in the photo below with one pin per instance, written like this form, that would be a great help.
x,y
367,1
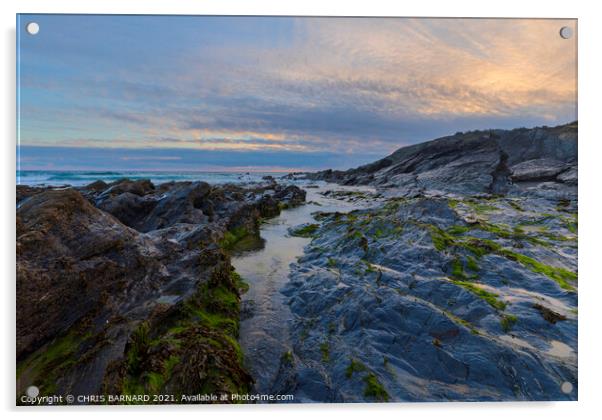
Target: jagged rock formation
x,y
493,161
459,284
127,288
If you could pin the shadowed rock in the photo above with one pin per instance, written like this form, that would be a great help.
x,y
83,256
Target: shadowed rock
x,y
109,277
75,260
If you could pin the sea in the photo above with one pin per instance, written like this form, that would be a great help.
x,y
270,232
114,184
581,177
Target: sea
x,y
80,178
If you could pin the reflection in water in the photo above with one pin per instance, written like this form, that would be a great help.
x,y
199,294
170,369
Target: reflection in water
x,y
265,266
248,243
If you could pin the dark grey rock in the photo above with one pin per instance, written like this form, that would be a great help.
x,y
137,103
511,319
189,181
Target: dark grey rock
x,y
537,170
469,163
427,330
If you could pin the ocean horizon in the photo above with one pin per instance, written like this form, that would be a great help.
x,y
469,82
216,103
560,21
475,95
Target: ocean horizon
x,y
84,177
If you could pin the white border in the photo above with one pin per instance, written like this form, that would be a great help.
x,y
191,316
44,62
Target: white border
x,y
590,123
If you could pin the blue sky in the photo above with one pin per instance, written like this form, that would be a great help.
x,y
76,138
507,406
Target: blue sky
x,y
269,93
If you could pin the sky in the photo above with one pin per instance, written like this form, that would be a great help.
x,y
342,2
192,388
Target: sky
x,y
277,93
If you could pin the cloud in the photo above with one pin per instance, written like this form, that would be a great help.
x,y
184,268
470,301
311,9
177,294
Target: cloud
x,y
303,85
154,158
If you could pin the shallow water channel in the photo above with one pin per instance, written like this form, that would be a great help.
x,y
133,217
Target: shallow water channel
x,y
264,334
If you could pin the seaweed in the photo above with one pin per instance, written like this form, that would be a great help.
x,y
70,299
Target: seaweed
x,y
374,388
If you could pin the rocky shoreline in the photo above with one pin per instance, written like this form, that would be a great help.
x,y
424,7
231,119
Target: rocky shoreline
x,y
455,280
127,288
459,284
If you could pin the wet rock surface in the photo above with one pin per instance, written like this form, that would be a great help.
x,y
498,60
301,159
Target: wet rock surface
x,y
460,283
127,288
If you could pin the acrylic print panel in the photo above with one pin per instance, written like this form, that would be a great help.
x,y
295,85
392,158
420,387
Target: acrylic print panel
x,y
292,209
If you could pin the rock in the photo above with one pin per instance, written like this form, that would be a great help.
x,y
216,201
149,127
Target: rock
x,y
129,208
452,286
117,271
569,176
25,191
269,206
548,314
290,195
183,204
537,170
73,259
470,163
96,186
